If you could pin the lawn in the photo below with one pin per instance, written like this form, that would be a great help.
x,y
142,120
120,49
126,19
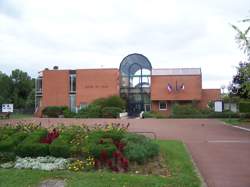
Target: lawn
x,y
20,116
177,159
236,121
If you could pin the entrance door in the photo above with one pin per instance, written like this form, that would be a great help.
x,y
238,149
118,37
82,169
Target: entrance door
x,y
135,109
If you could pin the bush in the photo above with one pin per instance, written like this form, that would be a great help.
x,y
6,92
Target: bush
x,y
244,106
209,114
68,114
6,131
153,114
7,157
10,143
111,112
96,150
139,148
112,101
31,145
54,111
98,141
61,146
186,109
91,111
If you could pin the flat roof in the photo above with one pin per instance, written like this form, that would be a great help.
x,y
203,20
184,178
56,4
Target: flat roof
x,y
177,71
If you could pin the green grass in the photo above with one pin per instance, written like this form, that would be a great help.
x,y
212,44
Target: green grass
x,y
178,161
20,116
236,121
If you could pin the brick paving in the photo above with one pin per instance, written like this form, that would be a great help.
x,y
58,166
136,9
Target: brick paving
x,y
221,152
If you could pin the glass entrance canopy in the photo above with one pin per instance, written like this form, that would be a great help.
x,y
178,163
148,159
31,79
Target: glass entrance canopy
x,y
135,83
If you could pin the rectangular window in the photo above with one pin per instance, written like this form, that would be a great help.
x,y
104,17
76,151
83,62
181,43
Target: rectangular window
x,y
147,107
72,102
39,84
72,83
163,105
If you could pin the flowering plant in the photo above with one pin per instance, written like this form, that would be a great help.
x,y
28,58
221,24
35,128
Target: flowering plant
x,y
50,137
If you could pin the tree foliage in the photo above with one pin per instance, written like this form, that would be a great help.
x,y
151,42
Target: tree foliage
x,y
241,81
18,88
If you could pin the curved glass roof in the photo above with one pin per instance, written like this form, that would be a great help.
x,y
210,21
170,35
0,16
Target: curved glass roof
x,y
134,62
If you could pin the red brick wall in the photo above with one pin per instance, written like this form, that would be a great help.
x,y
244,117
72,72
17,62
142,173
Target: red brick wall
x,y
155,108
209,95
96,83
192,89
55,88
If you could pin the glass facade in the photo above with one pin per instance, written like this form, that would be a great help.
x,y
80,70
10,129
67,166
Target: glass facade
x,y
135,83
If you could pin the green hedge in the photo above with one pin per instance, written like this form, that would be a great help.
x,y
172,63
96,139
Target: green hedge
x,y
112,101
5,132
111,112
226,114
31,145
61,146
9,144
91,111
68,114
139,148
244,106
153,114
54,111
185,109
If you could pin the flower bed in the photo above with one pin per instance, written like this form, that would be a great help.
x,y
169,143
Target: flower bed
x,y
109,147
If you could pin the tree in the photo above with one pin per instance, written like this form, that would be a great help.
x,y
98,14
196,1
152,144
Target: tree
x,y
22,87
241,81
6,88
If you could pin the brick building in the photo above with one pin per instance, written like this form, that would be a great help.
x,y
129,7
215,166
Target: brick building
x,y
142,87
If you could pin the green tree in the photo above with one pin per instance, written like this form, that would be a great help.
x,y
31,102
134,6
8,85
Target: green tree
x,y
6,88
22,87
241,81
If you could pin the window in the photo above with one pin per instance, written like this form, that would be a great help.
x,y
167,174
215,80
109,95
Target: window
x,y
163,105
83,105
147,107
72,83
72,102
39,84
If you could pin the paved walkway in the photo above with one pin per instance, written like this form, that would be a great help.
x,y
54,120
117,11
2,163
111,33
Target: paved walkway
x,y
221,152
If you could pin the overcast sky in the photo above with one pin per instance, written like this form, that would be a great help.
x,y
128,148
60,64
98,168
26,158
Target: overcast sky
x,y
35,34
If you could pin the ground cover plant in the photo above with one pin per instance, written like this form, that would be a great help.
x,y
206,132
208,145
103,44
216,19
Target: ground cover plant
x,y
181,173
109,147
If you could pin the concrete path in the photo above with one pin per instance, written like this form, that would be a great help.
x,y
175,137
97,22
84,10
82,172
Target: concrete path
x,y
221,152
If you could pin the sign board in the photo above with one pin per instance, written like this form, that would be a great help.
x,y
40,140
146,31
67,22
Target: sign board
x,y
218,106
7,107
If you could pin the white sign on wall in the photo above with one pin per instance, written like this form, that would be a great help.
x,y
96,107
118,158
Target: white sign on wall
x,y
218,106
7,107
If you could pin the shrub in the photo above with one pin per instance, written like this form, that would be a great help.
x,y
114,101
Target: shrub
x,y
61,147
10,143
112,101
111,112
54,111
68,114
101,144
153,114
31,145
50,137
139,148
7,157
100,151
91,111
185,109
244,106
